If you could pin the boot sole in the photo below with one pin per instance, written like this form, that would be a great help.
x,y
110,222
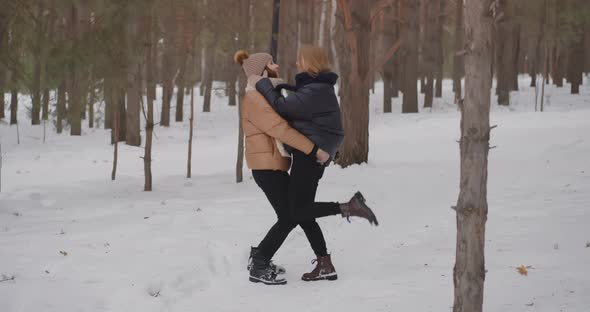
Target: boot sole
x,y
278,272
322,278
257,280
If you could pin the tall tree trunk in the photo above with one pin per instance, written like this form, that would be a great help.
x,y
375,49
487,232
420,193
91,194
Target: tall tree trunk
x,y
587,47
575,65
513,70
122,122
91,100
410,39
13,99
107,91
389,36
2,89
190,134
288,27
132,72
506,44
472,208
559,66
45,75
274,38
61,106
233,79
458,60
354,92
535,56
429,52
119,96
74,107
209,70
575,59
180,84
169,64
37,60
150,95
398,71
306,21
439,59
115,134
243,14
132,135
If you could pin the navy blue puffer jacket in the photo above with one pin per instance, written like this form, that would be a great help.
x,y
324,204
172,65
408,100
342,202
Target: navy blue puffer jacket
x,y
312,108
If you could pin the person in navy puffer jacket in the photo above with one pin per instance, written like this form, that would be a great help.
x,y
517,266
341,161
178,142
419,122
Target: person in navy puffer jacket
x,y
312,109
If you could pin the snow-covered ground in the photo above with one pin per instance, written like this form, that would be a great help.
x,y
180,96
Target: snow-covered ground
x,y
184,246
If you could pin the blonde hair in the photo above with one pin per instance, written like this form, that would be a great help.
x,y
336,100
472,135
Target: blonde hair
x,y
316,59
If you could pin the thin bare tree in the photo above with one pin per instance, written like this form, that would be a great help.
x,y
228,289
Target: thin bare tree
x,y
472,207
458,62
150,95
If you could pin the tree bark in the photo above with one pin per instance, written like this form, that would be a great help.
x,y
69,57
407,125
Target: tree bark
x,y
575,59
2,89
439,59
472,208
243,14
429,52
209,70
458,60
45,107
107,91
506,45
74,107
180,85
150,95
132,131
575,66
306,21
288,26
37,64
231,85
61,106
587,47
169,64
354,92
389,37
115,134
14,99
190,135
91,100
410,39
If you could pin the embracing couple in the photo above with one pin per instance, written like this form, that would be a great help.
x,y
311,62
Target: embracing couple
x,y
300,132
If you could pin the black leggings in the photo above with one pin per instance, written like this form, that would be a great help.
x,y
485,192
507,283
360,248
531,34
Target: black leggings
x,y
293,199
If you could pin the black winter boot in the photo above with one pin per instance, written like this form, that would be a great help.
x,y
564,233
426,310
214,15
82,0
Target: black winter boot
x,y
356,207
279,269
261,272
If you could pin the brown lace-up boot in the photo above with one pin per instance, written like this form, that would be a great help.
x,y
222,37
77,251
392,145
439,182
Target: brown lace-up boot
x,y
324,270
356,207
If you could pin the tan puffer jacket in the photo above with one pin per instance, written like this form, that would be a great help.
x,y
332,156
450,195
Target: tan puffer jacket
x,y
261,125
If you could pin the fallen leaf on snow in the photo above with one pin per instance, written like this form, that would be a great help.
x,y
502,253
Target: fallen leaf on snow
x,y
522,270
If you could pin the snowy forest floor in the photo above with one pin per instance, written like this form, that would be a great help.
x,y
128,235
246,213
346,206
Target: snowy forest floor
x,y
76,241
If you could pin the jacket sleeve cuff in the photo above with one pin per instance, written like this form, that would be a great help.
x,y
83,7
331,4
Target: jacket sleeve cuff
x,y
264,85
314,150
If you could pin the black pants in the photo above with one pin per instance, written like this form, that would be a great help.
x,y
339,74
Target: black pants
x,y
293,199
